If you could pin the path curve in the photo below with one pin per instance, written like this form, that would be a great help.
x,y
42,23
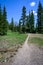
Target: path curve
x,y
28,55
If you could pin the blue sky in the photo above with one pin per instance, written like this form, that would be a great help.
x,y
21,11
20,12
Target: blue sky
x,y
14,8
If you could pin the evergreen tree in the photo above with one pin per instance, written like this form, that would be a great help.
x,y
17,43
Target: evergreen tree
x,y
42,21
39,17
28,23
12,25
31,20
4,22
36,27
0,20
23,18
20,26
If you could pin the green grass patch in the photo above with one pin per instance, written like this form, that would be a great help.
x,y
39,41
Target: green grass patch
x,y
36,40
11,39
10,43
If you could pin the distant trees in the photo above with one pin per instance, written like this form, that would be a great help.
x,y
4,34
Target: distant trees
x,y
3,21
12,25
30,22
40,18
26,23
20,26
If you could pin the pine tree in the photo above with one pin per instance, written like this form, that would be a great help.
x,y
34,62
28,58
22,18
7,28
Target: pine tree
x,y
23,18
28,23
20,26
4,22
42,21
31,22
39,17
0,20
12,25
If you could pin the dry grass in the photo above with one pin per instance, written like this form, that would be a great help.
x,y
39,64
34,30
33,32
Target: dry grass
x,y
9,45
36,39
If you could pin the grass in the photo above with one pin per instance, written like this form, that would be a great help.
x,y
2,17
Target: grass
x,y
36,39
10,43
11,39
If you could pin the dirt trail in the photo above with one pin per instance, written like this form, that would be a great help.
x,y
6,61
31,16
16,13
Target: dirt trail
x,y
29,54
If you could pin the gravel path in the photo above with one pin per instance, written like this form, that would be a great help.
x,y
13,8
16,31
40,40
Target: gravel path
x,y
29,54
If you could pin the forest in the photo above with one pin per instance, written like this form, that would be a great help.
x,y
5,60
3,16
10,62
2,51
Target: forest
x,y
26,22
